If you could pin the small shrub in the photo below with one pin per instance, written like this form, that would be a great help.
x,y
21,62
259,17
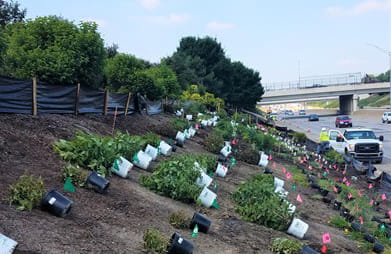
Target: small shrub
x,y
256,202
179,124
77,174
27,192
317,197
334,156
299,137
155,241
286,246
214,142
339,222
151,139
179,220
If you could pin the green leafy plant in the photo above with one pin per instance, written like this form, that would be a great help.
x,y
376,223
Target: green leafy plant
x,y
76,173
27,192
334,156
317,197
299,137
155,241
286,246
256,202
339,222
179,124
151,139
179,220
214,142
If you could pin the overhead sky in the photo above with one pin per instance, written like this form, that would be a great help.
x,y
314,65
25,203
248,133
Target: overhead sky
x,y
279,39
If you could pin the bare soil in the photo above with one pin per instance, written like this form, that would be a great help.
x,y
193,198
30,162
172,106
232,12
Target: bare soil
x,y
115,222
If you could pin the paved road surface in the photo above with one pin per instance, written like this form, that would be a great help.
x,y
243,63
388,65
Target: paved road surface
x,y
364,119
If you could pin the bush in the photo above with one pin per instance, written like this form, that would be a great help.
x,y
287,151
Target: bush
x,y
27,192
179,220
155,241
299,137
286,246
179,124
225,129
78,175
339,222
151,139
256,202
334,156
214,142
176,176
194,108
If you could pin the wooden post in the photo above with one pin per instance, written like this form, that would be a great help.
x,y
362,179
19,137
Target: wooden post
x,y
77,99
127,104
34,96
106,102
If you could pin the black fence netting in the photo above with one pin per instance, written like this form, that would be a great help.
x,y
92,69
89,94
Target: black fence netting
x,y
56,99
91,100
15,96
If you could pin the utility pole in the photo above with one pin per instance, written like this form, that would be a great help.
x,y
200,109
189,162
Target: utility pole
x,y
388,52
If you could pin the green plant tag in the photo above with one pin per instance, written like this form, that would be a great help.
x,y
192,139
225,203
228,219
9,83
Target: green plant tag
x,y
215,185
170,141
195,231
116,166
135,158
382,228
159,151
215,204
325,174
293,187
211,174
233,161
68,186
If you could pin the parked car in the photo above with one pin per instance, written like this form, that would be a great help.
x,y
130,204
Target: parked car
x,y
361,144
386,118
313,117
289,113
343,121
302,112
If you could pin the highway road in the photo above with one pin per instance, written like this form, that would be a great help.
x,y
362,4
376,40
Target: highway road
x,y
361,119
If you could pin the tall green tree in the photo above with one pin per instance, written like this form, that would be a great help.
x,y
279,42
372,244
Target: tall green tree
x,y
55,50
10,12
164,78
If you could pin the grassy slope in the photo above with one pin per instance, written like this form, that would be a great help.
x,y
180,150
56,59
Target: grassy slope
x,y
375,101
323,104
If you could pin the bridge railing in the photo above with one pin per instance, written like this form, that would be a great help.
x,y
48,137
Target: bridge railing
x,y
316,81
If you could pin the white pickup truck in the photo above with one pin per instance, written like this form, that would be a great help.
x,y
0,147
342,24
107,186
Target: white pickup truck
x,y
361,144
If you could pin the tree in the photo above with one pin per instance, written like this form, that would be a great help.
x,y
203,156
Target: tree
x,y
55,50
111,51
165,79
10,12
383,77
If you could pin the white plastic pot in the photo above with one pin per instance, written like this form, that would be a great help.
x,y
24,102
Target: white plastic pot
x,y
227,143
178,113
200,114
180,136
204,122
7,245
165,148
152,151
278,182
189,117
214,124
263,160
192,132
210,122
122,167
291,208
143,160
187,134
198,167
281,192
207,197
298,228
221,170
226,151
204,180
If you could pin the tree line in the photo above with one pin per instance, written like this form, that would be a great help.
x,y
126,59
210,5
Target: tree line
x,y
58,51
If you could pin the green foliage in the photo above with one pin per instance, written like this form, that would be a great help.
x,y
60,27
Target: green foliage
x,y
179,124
225,129
176,176
324,104
10,12
179,220
334,156
257,202
194,108
375,100
207,99
77,174
151,138
164,78
56,51
339,222
214,142
299,137
286,246
27,192
317,197
155,241
261,141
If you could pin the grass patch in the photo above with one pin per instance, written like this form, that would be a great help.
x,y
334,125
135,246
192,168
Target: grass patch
x,y
286,246
179,220
27,192
155,241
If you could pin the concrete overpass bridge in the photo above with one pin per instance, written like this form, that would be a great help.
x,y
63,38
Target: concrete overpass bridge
x,y
347,93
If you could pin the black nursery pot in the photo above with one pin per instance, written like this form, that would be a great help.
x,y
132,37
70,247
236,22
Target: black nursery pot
x,y
179,245
98,183
202,221
337,205
308,250
326,200
221,158
344,212
378,247
173,148
356,227
267,171
315,185
179,143
339,188
323,192
370,238
56,203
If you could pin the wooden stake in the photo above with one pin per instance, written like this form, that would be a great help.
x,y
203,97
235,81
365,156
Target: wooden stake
x,y
127,104
34,96
77,99
115,118
106,101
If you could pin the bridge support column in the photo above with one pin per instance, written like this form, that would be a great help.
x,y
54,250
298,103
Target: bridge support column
x,y
347,104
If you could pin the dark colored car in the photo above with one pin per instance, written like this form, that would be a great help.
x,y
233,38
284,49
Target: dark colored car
x,y
302,112
313,117
343,121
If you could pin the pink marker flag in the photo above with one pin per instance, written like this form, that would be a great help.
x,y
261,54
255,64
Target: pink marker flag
x,y
371,202
305,159
344,172
270,157
337,169
298,198
359,193
335,189
335,166
326,238
196,126
347,183
350,195
310,167
284,170
321,166
288,175
389,214
274,165
328,171
344,179
301,161
383,196
370,186
361,220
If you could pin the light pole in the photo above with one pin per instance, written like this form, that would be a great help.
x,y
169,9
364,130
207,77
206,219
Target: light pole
x,y
389,56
